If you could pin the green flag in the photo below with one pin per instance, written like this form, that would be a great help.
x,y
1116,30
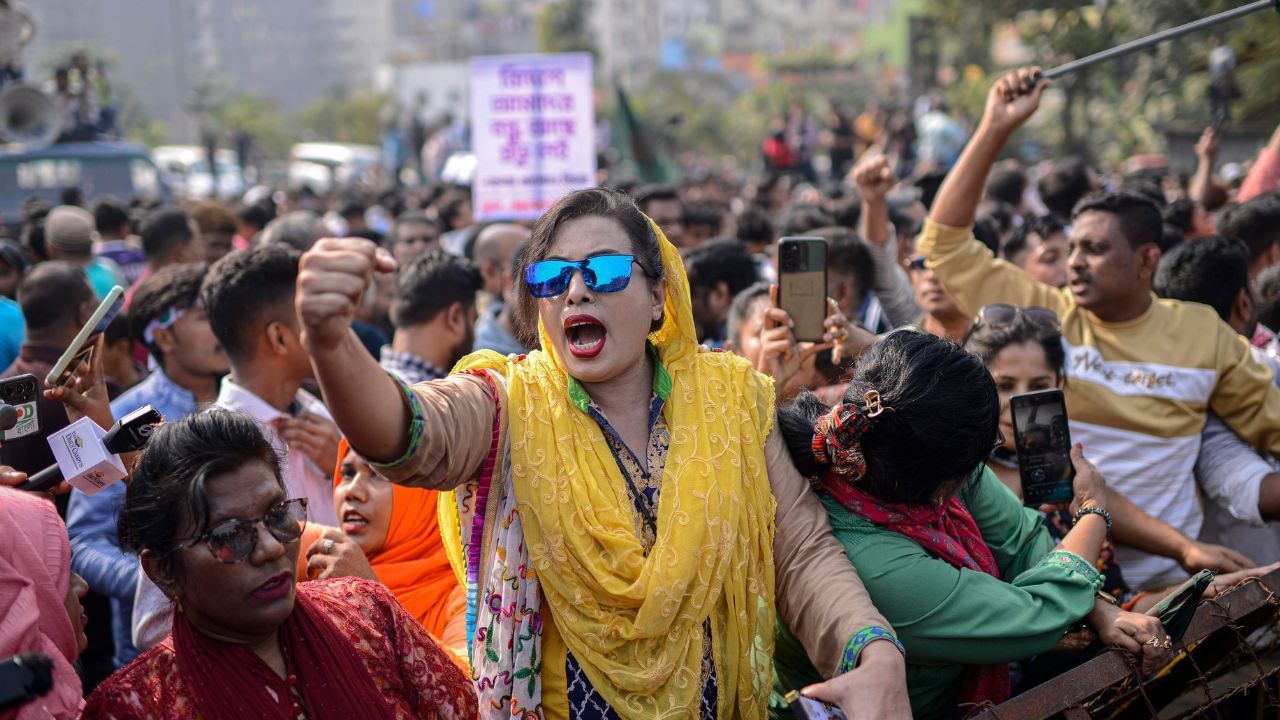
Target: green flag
x,y
635,146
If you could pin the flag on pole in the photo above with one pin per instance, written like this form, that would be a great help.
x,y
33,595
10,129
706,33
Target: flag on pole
x,y
635,144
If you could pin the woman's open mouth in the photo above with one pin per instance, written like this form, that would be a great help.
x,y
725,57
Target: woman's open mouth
x,y
353,523
585,335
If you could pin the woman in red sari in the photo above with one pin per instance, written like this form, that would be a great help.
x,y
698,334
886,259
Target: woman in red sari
x,y
208,514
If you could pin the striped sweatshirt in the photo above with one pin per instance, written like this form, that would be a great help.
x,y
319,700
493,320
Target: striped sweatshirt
x,y
1137,392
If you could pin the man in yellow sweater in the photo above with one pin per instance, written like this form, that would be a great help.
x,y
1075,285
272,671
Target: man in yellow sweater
x,y
1142,372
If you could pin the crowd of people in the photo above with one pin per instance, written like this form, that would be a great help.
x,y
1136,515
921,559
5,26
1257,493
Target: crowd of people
x,y
583,467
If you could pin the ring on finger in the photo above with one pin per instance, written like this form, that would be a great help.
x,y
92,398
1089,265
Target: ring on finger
x,y
1153,642
328,546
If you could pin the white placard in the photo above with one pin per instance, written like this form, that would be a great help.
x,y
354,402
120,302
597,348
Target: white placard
x,y
532,130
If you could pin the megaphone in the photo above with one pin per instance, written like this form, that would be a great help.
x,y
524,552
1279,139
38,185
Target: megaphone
x,y
28,116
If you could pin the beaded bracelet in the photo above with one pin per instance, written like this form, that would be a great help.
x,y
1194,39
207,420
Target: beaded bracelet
x,y
1093,511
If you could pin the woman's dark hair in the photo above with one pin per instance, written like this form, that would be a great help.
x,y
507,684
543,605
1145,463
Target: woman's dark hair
x,y
943,424
986,342
593,202
169,479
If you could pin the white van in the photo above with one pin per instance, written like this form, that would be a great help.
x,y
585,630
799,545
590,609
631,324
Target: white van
x,y
322,166
186,169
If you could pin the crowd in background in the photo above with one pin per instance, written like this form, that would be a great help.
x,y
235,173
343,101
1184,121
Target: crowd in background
x,y
1151,298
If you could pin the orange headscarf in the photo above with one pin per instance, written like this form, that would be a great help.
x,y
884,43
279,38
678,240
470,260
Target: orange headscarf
x,y
412,562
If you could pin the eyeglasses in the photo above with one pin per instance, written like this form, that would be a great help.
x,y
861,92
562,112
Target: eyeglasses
x,y
235,539
601,273
915,264
1001,315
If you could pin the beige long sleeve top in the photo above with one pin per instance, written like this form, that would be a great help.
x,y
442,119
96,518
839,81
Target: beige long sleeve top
x,y
818,593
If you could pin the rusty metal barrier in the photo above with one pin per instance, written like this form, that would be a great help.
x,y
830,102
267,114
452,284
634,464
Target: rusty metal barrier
x,y
1220,671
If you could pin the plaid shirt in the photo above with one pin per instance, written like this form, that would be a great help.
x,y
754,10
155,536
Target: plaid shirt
x,y
409,367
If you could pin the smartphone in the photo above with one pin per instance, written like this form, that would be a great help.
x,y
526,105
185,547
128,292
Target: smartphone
x,y
21,392
80,348
1044,447
803,708
802,285
1219,119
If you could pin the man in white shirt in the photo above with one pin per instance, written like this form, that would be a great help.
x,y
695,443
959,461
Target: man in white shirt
x,y
249,298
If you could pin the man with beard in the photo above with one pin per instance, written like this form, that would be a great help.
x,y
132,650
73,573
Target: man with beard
x,y
1143,371
434,313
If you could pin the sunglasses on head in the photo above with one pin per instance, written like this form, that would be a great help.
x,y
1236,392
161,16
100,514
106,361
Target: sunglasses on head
x,y
601,273
1003,315
235,539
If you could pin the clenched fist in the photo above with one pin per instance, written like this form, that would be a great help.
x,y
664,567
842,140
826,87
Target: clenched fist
x,y
332,278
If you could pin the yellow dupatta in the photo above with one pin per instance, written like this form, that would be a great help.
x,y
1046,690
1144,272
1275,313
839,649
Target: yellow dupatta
x,y
635,622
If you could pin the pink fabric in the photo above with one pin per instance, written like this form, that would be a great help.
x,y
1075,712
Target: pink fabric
x,y
35,572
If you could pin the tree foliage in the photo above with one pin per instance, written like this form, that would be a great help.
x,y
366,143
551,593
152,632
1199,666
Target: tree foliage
x,y
564,26
344,117
1124,105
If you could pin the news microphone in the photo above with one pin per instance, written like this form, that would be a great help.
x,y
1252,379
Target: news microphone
x,y
24,678
8,416
88,458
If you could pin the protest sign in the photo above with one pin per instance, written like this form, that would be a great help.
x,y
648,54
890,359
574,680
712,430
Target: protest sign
x,y
533,131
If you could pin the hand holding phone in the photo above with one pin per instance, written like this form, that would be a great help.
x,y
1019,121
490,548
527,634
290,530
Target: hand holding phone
x,y
802,285
85,341
1044,447
83,392
805,708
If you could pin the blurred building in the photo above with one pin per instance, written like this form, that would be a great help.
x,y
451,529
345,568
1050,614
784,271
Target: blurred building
x,y
453,30
636,38
177,54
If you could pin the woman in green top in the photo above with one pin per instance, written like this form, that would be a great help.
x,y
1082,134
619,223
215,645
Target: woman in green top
x,y
968,577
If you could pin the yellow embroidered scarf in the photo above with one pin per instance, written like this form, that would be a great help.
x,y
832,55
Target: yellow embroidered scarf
x,y
635,622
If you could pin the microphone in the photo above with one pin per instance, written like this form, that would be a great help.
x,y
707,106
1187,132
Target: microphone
x,y
88,458
24,678
8,416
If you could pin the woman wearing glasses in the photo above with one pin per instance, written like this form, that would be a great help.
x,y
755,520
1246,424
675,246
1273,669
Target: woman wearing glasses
x,y
207,512
969,578
1022,348
628,523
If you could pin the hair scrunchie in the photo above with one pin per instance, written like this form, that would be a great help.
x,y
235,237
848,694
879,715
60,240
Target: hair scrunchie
x,y
837,436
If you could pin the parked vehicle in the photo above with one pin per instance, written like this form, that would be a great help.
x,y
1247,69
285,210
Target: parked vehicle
x,y
186,169
120,169
322,165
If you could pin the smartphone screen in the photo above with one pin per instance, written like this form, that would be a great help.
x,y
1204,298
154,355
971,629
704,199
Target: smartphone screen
x,y
1044,447
80,348
802,285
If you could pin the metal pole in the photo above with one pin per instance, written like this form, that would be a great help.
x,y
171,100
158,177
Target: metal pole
x,y
1148,41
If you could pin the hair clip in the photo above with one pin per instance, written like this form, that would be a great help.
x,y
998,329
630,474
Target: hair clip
x,y
874,406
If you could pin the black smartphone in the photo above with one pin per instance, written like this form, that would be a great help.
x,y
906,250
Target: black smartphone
x,y
1219,119
21,392
81,348
1044,447
803,708
802,285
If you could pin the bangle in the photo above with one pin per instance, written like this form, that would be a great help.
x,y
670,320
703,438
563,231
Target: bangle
x,y
1093,511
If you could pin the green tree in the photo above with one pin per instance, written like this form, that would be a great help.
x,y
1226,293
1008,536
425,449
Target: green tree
x,y
1122,106
564,26
265,122
344,117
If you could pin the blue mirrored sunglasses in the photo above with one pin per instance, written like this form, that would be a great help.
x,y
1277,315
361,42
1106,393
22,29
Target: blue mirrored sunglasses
x,y
601,273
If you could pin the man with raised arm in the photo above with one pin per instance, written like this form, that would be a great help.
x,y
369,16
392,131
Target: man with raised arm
x,y
1143,371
